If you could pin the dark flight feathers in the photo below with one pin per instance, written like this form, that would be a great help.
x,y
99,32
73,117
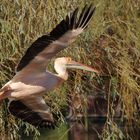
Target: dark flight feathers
x,y
71,22
18,109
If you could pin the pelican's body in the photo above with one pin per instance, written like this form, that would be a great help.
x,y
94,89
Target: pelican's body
x,y
32,79
33,84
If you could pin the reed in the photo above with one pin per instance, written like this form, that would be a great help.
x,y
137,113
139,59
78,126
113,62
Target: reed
x,y
111,43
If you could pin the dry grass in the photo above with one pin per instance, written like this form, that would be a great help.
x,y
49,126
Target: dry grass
x,y
111,43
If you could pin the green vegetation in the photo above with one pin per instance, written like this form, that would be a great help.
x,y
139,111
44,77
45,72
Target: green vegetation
x,y
111,43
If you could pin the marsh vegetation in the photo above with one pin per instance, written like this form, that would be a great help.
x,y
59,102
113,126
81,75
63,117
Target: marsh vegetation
x,y
111,43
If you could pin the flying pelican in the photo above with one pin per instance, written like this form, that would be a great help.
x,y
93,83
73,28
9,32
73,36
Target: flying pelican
x,y
32,79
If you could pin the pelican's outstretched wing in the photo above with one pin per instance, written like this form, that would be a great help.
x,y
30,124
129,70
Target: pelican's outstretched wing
x,y
60,37
32,110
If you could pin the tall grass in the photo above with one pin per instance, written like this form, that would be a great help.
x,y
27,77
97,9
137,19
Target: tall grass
x,y
111,43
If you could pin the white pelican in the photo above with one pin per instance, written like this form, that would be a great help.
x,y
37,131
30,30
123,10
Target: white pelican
x,y
32,79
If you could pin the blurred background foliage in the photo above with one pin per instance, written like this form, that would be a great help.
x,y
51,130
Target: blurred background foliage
x,y
111,43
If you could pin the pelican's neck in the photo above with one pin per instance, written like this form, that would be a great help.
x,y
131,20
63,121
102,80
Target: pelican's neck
x,y
63,74
61,70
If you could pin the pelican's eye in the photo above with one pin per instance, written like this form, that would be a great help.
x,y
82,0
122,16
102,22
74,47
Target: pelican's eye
x,y
69,59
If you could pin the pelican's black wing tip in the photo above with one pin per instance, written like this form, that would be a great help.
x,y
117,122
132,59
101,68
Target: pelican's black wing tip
x,y
21,111
86,16
76,19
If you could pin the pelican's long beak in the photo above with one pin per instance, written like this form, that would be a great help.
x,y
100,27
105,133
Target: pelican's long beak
x,y
77,65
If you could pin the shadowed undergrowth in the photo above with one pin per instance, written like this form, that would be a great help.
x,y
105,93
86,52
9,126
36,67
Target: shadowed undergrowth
x,y
111,43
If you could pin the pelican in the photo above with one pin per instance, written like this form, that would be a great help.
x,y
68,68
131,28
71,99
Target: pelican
x,y
32,79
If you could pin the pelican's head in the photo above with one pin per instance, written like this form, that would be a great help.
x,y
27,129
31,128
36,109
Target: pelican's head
x,y
61,64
